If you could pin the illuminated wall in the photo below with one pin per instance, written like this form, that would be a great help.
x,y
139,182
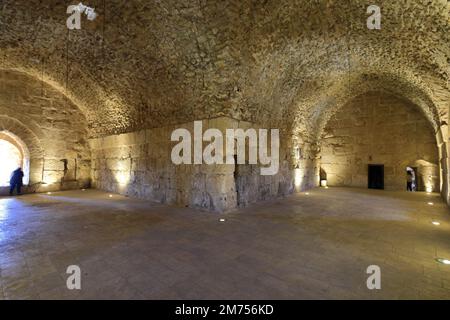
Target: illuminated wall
x,y
138,164
50,131
378,128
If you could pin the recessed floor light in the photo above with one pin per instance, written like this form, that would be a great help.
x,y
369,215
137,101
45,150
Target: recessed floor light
x,y
222,220
49,193
443,261
436,223
110,195
307,193
431,203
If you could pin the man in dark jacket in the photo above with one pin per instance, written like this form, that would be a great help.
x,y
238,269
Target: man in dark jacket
x,y
409,180
16,181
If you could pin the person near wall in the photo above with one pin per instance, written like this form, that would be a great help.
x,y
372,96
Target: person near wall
x,y
409,180
16,181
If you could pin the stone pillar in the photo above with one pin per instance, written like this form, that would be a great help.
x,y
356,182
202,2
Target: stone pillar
x,y
442,142
306,163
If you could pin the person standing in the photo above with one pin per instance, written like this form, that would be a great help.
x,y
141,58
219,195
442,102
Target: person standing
x,y
16,181
409,180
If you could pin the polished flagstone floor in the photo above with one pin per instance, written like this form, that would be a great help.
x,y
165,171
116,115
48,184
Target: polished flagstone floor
x,y
305,246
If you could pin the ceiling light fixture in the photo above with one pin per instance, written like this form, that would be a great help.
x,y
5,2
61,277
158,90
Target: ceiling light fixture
x,y
90,12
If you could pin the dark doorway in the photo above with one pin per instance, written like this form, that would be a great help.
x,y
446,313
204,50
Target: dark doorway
x,y
376,176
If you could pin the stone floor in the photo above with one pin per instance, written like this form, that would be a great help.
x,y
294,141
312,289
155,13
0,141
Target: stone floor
x,y
315,245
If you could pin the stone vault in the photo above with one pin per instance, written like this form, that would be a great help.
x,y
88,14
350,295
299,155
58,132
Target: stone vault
x,y
102,98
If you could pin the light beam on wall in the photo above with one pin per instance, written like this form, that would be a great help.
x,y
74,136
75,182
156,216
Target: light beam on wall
x,y
122,178
298,178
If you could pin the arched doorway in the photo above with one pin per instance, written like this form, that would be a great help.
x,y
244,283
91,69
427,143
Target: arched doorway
x,y
13,154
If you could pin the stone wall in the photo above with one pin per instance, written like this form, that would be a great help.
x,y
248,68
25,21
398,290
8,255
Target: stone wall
x,y
138,164
51,129
379,128
147,64
291,62
305,158
442,142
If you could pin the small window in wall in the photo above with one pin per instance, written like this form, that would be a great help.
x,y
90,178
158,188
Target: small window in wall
x,y
376,176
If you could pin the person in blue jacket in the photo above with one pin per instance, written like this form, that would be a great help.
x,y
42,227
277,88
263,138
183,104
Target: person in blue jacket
x,y
16,181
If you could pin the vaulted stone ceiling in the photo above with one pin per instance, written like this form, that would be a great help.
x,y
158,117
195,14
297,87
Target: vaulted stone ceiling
x,y
290,64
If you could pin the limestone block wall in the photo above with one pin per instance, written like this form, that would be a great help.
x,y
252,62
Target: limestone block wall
x,y
442,142
378,128
306,165
138,164
51,129
251,186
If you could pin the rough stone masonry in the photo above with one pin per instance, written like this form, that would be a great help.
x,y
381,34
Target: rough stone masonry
x,y
95,106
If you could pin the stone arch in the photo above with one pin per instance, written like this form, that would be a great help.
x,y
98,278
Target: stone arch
x,y
427,178
18,129
53,127
428,109
312,109
379,127
30,145
24,152
328,101
412,92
